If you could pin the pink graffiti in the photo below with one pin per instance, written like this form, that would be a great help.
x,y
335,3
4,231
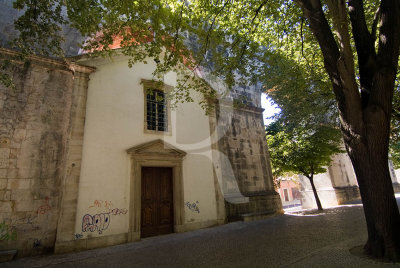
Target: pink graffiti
x,y
44,208
101,203
108,204
97,222
117,211
96,203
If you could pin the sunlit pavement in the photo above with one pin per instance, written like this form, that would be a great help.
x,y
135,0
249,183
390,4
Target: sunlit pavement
x,y
297,239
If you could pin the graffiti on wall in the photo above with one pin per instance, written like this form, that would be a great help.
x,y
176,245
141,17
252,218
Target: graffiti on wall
x,y
45,207
98,222
193,206
10,227
101,204
78,236
7,232
37,243
117,211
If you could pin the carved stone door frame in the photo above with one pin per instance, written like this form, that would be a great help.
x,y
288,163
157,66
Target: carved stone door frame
x,y
155,154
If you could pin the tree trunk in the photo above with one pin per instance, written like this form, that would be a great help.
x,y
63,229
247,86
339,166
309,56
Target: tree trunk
x,y
380,208
369,155
315,192
365,111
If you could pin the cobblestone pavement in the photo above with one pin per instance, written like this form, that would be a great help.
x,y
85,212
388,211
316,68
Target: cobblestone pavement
x,y
297,239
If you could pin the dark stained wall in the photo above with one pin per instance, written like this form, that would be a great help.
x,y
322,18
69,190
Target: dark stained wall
x,y
34,129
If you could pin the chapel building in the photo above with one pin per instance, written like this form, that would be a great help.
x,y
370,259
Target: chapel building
x,y
93,154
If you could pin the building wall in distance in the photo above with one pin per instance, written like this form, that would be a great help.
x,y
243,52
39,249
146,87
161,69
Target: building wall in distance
x,y
289,191
338,185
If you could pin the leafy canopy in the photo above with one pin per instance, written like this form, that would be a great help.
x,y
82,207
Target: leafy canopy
x,y
302,150
224,36
233,39
241,42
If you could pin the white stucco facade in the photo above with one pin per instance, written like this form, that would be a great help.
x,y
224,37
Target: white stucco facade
x,y
114,123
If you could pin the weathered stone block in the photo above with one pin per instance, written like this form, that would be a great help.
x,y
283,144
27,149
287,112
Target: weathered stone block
x,y
71,194
24,173
15,145
6,206
24,206
4,142
3,174
4,153
76,142
12,173
4,163
21,195
3,184
12,163
16,184
19,135
5,195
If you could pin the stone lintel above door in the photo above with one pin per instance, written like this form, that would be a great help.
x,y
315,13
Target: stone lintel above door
x,y
157,148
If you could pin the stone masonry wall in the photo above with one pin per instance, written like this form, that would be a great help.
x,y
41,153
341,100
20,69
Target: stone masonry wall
x,y
34,129
246,171
243,141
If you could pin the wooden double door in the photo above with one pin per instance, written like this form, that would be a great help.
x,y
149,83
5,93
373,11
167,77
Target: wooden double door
x,y
157,210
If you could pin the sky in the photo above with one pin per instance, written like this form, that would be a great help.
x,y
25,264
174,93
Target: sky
x,y
269,108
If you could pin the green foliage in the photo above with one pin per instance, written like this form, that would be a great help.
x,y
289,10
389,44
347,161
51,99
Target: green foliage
x,y
234,41
226,37
7,233
39,27
241,42
395,153
304,99
301,150
306,132
5,77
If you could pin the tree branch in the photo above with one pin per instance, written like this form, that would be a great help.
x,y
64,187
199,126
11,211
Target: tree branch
x,y
209,31
258,10
212,25
302,37
341,24
243,49
365,48
344,87
375,24
389,38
